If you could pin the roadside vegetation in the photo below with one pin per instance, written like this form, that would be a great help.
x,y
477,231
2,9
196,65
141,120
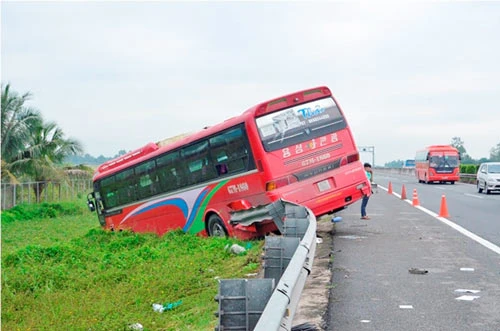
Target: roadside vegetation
x,y
61,271
33,149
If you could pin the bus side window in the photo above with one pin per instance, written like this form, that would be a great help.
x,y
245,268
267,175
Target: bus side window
x,y
221,169
208,171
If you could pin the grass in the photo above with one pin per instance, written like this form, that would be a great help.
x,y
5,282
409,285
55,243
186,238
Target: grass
x,y
64,272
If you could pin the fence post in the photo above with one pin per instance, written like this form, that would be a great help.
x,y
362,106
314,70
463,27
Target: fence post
x,y
14,196
4,186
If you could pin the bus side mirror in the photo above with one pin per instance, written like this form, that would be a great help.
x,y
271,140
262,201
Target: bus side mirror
x,y
91,205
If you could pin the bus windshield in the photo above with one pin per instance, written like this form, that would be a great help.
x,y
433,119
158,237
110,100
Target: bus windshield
x,y
443,161
297,124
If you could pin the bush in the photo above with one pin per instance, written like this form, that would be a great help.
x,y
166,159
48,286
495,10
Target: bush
x,y
468,168
26,212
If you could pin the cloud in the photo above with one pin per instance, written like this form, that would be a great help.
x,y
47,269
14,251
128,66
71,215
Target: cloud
x,y
116,75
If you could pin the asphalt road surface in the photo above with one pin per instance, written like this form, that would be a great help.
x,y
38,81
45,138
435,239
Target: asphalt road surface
x,y
361,277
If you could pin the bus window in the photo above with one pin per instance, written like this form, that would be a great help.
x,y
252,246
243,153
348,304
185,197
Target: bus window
x,y
300,123
146,179
230,150
168,177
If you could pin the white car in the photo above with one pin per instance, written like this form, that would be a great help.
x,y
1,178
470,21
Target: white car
x,y
488,177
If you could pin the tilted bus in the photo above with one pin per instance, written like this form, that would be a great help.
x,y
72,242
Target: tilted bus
x,y
437,163
297,147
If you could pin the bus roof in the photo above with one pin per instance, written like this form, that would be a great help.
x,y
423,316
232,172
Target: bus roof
x,y
438,148
153,149
289,100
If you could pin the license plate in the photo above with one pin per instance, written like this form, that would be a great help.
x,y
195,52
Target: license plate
x,y
324,185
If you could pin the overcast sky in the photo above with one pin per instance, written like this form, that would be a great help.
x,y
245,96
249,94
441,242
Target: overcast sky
x,y
117,75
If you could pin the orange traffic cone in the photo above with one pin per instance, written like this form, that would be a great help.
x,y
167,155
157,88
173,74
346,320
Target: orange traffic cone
x,y
443,211
389,190
415,198
403,193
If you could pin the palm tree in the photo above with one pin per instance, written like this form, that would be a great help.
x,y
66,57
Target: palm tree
x,y
31,148
44,155
16,121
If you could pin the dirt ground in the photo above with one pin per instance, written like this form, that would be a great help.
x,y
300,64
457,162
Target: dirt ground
x,y
313,302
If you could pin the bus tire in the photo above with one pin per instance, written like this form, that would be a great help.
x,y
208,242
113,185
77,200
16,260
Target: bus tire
x,y
215,226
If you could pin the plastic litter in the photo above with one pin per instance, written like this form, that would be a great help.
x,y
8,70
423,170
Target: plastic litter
x,y
235,249
136,326
337,219
158,307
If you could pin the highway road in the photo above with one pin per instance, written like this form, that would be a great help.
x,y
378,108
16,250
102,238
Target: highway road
x,y
457,281
476,212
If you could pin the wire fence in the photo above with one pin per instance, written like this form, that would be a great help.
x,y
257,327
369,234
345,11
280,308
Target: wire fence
x,y
38,192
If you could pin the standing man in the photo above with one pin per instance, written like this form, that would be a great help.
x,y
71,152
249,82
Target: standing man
x,y
366,197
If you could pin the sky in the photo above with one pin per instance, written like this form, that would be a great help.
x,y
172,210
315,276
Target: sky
x,y
116,75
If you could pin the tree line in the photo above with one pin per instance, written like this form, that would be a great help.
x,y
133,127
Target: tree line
x,y
32,149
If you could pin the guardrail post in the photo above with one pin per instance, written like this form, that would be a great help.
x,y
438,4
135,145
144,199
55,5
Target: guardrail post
x,y
241,302
278,252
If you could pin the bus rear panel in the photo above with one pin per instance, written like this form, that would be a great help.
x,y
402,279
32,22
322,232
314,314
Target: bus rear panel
x,y
310,154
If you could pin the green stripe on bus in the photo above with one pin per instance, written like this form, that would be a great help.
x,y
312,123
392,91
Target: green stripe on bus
x,y
198,224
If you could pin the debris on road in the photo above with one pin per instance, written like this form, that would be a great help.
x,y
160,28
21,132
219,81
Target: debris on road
x,y
417,271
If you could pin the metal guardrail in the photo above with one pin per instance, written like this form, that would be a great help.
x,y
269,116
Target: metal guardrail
x,y
257,304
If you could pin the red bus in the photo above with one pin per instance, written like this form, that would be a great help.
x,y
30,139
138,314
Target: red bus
x,y
438,163
297,147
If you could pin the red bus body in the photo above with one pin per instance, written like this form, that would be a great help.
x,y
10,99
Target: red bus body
x,y
297,147
438,163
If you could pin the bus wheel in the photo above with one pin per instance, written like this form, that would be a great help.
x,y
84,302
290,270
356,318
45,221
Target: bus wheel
x,y
215,227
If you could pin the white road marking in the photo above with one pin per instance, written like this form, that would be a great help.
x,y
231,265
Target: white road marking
x,y
466,269
365,321
462,290
406,306
473,195
455,226
467,297
440,188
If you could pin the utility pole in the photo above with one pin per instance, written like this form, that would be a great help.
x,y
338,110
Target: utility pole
x,y
368,149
